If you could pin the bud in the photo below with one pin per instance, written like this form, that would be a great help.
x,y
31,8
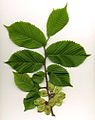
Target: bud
x,y
59,96
57,90
51,86
47,109
39,101
41,108
52,102
43,93
59,103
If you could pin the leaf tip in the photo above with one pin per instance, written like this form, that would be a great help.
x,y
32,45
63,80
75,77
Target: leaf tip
x,y
6,62
88,55
25,110
71,85
13,72
6,26
66,5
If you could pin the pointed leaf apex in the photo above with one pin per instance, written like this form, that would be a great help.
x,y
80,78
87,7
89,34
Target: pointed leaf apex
x,y
71,85
25,110
66,5
6,26
53,9
88,55
6,62
14,72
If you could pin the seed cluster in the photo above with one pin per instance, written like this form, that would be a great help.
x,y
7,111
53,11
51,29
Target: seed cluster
x,y
56,99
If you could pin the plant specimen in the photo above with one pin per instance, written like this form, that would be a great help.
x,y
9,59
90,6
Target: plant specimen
x,y
64,53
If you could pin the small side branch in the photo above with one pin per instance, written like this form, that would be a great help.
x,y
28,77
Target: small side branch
x,y
42,87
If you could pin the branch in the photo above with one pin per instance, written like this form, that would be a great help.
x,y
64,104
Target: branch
x,y
46,78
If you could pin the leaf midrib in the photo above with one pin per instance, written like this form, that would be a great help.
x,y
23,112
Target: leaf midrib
x,y
24,61
68,55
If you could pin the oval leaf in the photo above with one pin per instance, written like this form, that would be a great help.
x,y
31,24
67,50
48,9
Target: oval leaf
x,y
23,82
26,61
26,35
58,76
29,100
38,77
66,53
57,20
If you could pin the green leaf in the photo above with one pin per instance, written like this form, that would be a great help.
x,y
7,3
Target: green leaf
x,y
32,94
29,104
26,61
23,82
26,35
58,75
29,100
38,77
57,20
66,53
36,86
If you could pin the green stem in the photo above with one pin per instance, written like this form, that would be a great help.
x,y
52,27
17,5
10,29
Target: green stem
x,y
46,78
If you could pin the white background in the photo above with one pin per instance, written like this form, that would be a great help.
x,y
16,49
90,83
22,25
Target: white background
x,y
80,100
